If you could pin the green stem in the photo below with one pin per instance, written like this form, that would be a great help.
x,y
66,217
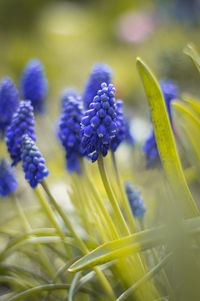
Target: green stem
x,y
126,205
111,196
27,228
83,247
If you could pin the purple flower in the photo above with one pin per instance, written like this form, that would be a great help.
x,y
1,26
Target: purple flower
x,y
22,123
100,73
99,124
8,181
136,202
34,85
9,101
32,162
69,131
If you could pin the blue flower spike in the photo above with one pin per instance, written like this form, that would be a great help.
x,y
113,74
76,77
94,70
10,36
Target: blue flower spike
x,y
170,91
34,85
67,93
32,162
99,124
22,123
136,202
9,101
100,73
8,181
123,133
69,131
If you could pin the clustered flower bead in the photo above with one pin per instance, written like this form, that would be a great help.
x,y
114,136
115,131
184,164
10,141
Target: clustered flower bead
x,y
32,162
22,123
100,73
170,91
67,93
123,133
99,124
69,132
9,100
34,85
136,202
8,181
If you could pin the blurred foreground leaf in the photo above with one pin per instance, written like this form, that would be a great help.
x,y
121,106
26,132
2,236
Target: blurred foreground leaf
x,y
191,51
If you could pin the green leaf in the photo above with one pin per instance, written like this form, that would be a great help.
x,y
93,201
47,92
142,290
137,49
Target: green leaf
x,y
188,126
191,51
193,102
165,142
131,244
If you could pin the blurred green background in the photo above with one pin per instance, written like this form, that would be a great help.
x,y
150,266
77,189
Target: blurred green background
x,y
69,36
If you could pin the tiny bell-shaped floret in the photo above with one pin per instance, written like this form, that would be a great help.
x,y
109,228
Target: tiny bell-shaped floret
x,y
69,131
9,101
100,73
99,124
32,162
34,85
8,181
136,202
22,123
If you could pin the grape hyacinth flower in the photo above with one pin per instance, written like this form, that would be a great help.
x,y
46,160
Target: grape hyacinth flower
x,y
32,162
8,181
100,73
170,91
136,202
22,123
67,93
99,124
34,85
69,132
9,100
123,133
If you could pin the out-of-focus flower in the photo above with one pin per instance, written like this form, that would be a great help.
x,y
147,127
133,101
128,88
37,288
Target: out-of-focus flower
x,y
100,73
170,91
99,124
123,133
69,131
34,85
32,162
22,123
8,181
9,100
136,202
67,93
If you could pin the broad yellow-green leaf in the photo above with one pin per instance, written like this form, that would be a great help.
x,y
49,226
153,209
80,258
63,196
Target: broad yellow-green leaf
x,y
166,143
193,102
132,244
188,126
191,51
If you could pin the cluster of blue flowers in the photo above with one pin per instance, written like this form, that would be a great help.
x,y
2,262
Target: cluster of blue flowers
x,y
9,100
22,123
8,181
34,85
136,202
170,91
69,130
99,124
32,162
123,133
100,73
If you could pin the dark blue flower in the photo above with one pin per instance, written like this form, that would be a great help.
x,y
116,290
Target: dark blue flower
x,y
99,124
170,91
67,93
22,123
69,131
8,181
34,85
136,202
9,100
123,133
100,73
32,162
